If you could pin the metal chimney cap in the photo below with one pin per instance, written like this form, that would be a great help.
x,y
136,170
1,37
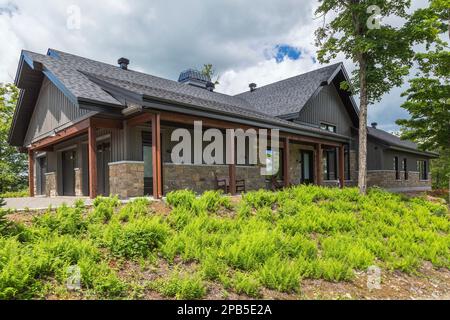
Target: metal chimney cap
x,y
123,63
374,125
252,86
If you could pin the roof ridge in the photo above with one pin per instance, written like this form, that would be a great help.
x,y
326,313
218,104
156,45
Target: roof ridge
x,y
293,77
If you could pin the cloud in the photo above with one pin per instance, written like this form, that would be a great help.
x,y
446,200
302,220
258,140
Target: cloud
x,y
165,37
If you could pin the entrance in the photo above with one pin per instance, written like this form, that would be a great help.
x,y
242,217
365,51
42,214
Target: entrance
x,y
103,160
41,170
307,167
147,156
68,173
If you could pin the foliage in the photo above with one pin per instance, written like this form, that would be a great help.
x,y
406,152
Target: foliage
x,y
13,165
276,241
15,194
208,70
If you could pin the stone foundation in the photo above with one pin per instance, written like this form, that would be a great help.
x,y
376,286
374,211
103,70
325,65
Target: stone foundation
x,y
126,179
201,178
51,189
78,183
386,179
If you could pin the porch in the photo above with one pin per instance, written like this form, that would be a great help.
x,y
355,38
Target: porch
x,y
132,158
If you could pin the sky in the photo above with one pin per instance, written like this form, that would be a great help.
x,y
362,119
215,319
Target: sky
x,y
246,41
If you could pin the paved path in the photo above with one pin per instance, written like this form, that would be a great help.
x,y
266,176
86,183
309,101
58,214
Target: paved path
x,y
41,203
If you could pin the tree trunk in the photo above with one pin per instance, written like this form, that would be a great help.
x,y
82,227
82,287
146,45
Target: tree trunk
x,y
363,104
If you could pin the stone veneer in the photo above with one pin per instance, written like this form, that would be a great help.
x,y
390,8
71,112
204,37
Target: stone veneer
x,y
50,185
78,183
200,178
126,179
386,179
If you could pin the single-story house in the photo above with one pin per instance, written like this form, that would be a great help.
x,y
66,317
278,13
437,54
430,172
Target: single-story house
x,y
92,128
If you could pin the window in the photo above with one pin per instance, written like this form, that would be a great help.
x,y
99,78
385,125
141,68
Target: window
x,y
330,164
405,168
397,168
328,127
422,166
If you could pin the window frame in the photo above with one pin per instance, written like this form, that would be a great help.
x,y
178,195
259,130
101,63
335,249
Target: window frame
x,y
397,168
328,126
405,168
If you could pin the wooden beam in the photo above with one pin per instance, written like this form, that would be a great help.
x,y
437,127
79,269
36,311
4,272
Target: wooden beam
x,y
92,154
310,140
341,167
319,173
107,123
72,131
287,182
140,119
31,172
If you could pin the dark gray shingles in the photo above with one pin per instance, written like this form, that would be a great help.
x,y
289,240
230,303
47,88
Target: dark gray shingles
x,y
390,139
290,95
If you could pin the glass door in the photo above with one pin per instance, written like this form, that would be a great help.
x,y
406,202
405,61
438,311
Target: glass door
x,y
307,167
147,156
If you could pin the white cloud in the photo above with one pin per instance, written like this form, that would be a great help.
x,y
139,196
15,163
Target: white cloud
x,y
164,37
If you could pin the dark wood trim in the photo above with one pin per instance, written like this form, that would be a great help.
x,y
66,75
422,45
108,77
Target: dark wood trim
x,y
140,119
232,177
92,155
31,172
155,170
107,123
341,166
158,156
286,163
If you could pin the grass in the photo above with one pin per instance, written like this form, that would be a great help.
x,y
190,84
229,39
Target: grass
x,y
15,194
268,240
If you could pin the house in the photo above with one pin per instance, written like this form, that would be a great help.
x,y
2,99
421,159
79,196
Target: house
x,y
92,128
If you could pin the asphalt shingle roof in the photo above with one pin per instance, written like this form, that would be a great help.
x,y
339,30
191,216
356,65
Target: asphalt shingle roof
x,y
391,139
290,95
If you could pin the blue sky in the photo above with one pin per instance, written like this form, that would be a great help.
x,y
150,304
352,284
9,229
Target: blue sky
x,y
246,43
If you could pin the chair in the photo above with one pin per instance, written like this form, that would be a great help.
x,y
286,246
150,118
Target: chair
x,y
222,183
276,184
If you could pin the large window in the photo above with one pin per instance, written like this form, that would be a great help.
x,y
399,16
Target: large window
x,y
330,165
405,168
328,127
422,166
397,168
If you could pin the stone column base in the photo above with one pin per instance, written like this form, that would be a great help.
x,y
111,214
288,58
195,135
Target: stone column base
x,y
51,189
126,179
78,183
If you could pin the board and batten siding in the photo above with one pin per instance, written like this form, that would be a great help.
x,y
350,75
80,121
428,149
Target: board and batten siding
x,y
53,110
327,107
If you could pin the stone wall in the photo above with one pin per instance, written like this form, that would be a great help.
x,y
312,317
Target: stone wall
x,y
78,183
386,179
294,164
353,169
201,178
51,189
126,179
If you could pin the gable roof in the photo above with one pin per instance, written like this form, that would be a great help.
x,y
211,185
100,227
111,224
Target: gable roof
x,y
85,82
397,143
289,96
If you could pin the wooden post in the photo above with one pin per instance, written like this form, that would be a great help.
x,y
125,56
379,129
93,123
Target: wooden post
x,y
156,156
31,172
287,182
231,160
341,167
319,173
92,151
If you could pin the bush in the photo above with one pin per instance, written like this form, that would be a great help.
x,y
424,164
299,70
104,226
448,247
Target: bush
x,y
181,198
182,286
280,274
138,238
246,284
66,220
15,194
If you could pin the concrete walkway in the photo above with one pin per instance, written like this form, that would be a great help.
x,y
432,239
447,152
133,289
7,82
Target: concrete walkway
x,y
41,203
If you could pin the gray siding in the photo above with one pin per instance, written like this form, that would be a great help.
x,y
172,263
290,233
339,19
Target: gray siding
x,y
52,110
327,107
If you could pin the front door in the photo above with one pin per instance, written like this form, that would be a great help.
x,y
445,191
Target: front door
x,y
40,175
68,172
307,167
103,160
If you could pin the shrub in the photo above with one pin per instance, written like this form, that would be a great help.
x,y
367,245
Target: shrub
x,y
212,201
260,199
15,194
280,274
182,286
138,238
246,284
66,220
113,202
181,198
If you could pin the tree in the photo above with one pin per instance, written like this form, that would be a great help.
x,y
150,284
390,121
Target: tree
x,y
428,97
209,71
382,53
13,165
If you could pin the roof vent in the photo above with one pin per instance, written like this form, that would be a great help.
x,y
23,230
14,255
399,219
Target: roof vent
x,y
374,125
196,78
252,86
123,63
